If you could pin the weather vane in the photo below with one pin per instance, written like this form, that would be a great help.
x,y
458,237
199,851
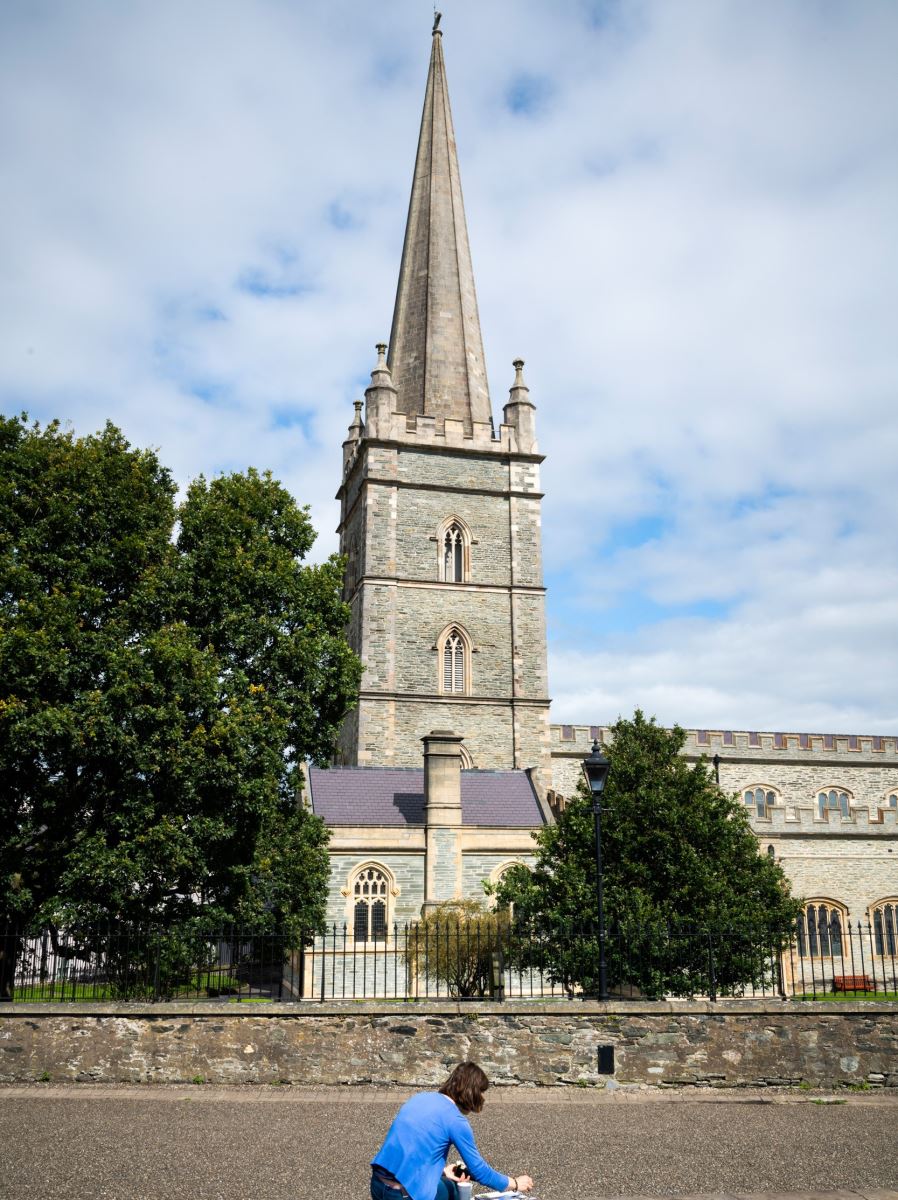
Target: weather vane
x,y
436,19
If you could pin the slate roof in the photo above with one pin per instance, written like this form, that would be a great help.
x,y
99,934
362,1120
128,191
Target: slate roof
x,y
395,796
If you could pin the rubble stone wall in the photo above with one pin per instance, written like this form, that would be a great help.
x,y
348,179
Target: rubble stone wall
x,y
662,1044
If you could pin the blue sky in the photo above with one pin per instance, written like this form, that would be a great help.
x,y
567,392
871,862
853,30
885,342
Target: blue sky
x,y
681,215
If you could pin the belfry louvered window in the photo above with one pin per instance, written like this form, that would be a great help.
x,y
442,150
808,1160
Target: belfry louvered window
x,y
454,662
370,893
453,554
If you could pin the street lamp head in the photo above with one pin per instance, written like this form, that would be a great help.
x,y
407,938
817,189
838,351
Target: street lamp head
x,y
596,768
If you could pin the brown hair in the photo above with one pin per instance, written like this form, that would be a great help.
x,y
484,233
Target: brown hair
x,y
466,1086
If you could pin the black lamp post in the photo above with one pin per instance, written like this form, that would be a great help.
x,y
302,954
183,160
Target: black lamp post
x,y
596,767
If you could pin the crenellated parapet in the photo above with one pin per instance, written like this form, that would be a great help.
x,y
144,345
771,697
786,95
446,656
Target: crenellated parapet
x,y
795,767
748,744
385,422
802,819
802,746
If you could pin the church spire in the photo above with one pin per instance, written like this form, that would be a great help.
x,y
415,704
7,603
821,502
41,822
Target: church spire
x,y
436,348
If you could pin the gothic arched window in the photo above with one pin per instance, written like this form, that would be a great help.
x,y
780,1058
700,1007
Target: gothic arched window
x,y
820,930
885,927
455,662
454,542
760,799
453,554
370,892
834,800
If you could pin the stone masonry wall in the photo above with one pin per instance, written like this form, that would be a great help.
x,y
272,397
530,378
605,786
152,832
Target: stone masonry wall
x,y
408,873
853,861
671,1044
390,731
395,498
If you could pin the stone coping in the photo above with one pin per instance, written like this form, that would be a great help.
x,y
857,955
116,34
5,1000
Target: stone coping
x,y
430,1008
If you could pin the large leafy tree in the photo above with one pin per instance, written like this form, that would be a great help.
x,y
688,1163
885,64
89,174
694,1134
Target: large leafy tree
x,y
681,865
158,693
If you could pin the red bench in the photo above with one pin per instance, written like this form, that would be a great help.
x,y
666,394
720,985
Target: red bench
x,y
852,983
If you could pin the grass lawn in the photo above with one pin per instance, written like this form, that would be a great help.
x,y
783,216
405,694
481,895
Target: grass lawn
x,y
201,986
63,991
851,997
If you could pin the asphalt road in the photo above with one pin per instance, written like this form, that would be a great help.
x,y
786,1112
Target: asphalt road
x,y
84,1142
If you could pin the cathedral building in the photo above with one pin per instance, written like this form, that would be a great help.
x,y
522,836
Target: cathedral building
x,y
449,762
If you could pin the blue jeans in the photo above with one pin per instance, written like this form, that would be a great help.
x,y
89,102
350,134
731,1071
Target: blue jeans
x,y
379,1190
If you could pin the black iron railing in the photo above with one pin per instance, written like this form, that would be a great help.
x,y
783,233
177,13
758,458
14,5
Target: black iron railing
x,y
491,958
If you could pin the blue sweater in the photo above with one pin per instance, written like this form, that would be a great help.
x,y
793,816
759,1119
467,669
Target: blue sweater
x,y
417,1144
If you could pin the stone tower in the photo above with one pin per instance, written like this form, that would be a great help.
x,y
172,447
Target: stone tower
x,y
440,512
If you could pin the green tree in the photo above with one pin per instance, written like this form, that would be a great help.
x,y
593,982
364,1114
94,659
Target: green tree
x,y
680,865
457,945
157,695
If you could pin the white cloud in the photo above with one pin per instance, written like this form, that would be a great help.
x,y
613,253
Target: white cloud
x,y
688,234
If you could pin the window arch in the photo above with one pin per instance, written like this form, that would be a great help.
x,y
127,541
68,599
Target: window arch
x,y
497,875
821,928
454,661
370,894
834,799
891,799
454,543
759,799
884,922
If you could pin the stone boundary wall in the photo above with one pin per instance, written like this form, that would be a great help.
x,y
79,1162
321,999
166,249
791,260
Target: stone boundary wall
x,y
728,1044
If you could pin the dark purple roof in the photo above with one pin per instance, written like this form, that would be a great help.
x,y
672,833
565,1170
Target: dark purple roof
x,y
395,796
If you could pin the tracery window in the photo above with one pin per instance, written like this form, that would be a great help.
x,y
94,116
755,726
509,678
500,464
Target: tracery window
x,y
760,799
885,927
454,542
834,800
820,930
454,662
370,897
453,554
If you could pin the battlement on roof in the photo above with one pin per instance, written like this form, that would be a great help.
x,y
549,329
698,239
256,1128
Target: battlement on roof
x,y
424,430
862,819
849,748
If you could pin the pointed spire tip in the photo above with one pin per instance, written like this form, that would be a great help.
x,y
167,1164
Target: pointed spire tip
x,y
437,17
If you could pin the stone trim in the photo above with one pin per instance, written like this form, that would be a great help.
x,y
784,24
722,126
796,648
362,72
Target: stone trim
x,y
757,760
455,698
469,585
500,451
447,1007
443,488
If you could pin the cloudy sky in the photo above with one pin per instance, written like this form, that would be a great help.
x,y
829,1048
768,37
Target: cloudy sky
x,y
682,215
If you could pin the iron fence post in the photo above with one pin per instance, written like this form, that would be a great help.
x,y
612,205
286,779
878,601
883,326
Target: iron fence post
x,y
324,961
156,965
712,982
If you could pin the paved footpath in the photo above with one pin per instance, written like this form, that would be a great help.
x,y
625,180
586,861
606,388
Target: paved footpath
x,y
89,1142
